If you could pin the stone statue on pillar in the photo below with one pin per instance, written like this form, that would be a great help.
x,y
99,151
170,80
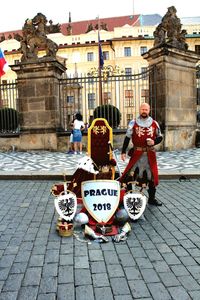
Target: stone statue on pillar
x,y
169,33
173,83
37,82
34,37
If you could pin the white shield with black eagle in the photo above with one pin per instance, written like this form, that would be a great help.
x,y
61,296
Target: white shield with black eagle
x,y
135,204
66,205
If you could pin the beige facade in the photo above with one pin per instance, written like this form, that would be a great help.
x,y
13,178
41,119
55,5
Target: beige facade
x,y
76,48
122,47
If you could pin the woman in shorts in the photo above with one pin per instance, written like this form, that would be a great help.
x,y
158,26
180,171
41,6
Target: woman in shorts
x,y
78,127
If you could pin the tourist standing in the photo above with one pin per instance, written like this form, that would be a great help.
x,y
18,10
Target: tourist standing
x,y
78,127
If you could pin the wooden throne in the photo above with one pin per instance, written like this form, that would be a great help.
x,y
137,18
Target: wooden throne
x,y
100,141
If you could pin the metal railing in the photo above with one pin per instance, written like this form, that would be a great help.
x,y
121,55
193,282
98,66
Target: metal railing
x,y
9,121
92,96
115,97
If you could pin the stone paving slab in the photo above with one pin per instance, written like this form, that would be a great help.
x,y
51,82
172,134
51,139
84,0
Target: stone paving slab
x,y
38,164
159,260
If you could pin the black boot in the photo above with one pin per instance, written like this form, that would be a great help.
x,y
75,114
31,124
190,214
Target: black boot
x,y
152,200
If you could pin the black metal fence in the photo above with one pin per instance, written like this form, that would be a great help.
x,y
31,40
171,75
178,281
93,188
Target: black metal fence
x,y
9,121
115,97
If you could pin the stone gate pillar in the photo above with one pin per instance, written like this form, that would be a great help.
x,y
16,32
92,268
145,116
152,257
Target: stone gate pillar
x,y
174,95
38,95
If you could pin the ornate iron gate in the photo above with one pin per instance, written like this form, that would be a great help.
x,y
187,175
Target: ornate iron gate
x,y
124,92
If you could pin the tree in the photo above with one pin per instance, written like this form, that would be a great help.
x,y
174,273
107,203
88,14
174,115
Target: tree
x,y
9,120
110,113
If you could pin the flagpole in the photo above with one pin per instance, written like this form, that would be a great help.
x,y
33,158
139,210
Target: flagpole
x,y
99,66
2,64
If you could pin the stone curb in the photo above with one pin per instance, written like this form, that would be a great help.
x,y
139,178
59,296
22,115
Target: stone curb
x,y
47,175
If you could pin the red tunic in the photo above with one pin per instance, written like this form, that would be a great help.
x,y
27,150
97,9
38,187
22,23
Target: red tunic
x,y
139,137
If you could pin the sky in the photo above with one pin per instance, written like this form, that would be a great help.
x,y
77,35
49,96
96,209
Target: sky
x,y
14,13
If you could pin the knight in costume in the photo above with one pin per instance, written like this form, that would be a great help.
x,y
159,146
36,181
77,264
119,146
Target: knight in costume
x,y
142,166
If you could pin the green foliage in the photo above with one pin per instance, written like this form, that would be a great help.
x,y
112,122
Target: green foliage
x,y
9,120
108,112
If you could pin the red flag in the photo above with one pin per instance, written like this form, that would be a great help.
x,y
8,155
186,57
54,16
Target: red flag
x,y
3,63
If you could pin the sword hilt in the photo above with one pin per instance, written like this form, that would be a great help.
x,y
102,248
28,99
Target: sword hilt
x,y
110,145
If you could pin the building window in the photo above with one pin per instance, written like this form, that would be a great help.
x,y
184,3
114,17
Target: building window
x,y
129,98
105,55
70,99
197,49
107,97
16,61
128,71
143,50
91,100
145,95
90,56
90,80
127,51
129,117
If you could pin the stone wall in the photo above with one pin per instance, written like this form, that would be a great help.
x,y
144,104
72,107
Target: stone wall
x,y
61,144
38,89
174,106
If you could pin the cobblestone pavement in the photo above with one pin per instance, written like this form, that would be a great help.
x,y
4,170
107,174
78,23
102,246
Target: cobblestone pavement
x,y
159,260
44,162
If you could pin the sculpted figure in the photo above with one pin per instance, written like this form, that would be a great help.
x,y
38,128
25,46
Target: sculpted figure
x,y
159,35
169,31
35,37
172,24
182,39
2,38
90,28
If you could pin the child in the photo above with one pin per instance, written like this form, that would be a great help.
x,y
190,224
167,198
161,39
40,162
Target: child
x,y
71,143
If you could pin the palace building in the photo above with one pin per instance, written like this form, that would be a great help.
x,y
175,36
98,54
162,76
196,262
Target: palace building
x,y
123,40
125,72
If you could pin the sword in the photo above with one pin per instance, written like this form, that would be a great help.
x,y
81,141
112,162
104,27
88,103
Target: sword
x,y
111,150
66,183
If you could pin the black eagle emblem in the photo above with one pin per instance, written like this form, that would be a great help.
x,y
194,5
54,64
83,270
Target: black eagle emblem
x,y
67,206
134,205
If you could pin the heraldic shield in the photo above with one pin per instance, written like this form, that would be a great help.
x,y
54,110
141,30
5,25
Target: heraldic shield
x,y
135,204
66,205
101,198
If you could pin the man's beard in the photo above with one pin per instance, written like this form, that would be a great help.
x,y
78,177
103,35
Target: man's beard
x,y
144,115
